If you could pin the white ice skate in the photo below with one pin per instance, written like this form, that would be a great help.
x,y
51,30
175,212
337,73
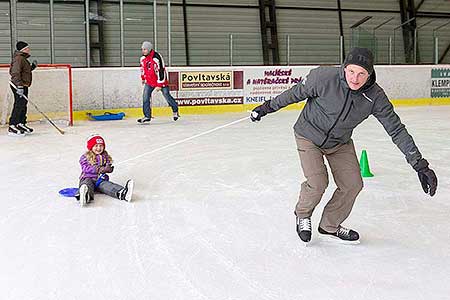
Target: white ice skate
x,y
129,190
83,195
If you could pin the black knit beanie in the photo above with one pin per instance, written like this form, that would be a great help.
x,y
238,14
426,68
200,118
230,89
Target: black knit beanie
x,y
362,57
21,45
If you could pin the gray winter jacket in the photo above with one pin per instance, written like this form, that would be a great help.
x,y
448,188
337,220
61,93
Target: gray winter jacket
x,y
333,110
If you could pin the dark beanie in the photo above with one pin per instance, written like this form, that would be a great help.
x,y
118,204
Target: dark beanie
x,y
362,57
21,45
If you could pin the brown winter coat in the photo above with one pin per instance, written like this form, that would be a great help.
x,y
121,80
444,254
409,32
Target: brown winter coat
x,y
20,69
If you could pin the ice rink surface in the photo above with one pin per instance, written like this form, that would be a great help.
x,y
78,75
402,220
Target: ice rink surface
x,y
212,217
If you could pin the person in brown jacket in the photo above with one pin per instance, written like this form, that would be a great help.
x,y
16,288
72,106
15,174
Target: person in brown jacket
x,y
20,71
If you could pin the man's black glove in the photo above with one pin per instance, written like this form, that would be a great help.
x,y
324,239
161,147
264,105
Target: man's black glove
x,y
34,65
427,177
260,111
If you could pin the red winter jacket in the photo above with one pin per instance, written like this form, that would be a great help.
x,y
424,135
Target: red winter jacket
x,y
153,70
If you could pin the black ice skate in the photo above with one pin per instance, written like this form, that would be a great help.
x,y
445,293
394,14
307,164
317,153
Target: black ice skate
x,y
176,115
127,191
345,235
13,130
25,128
144,120
304,229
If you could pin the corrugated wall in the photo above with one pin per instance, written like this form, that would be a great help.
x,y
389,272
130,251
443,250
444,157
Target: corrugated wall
x,y
111,34
435,6
138,27
209,36
33,26
313,35
426,40
308,3
371,5
70,34
209,31
377,40
313,28
426,33
5,37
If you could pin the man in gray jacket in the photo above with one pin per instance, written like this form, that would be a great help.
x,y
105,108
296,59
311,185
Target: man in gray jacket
x,y
338,99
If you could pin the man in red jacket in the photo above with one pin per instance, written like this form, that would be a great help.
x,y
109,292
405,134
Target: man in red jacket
x,y
154,76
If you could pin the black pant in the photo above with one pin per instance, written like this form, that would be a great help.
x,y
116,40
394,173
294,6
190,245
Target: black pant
x,y
19,112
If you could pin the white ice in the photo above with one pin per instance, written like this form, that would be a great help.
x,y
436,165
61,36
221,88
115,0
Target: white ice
x,y
212,217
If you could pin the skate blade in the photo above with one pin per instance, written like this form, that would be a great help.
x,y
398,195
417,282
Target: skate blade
x,y
336,240
306,244
15,135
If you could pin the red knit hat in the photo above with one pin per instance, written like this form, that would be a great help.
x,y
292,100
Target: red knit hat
x,y
94,140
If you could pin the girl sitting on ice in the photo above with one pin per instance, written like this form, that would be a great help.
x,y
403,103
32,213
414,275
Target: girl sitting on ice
x,y
95,164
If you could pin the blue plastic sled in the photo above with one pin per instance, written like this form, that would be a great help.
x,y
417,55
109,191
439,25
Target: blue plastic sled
x,y
68,192
72,192
107,116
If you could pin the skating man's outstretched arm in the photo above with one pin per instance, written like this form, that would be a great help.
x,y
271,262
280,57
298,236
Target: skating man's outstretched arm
x,y
299,92
384,112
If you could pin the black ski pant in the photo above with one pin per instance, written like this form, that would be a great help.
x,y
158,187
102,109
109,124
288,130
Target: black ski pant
x,y
19,112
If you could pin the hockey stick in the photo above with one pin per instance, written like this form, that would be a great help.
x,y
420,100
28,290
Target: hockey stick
x,y
48,119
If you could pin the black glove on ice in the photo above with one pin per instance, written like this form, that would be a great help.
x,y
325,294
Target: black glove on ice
x,y
427,177
260,111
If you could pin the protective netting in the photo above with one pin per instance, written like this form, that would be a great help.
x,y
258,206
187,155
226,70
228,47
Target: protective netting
x,y
51,91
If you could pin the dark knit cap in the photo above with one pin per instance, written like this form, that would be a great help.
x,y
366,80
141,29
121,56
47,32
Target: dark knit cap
x,y
362,57
21,45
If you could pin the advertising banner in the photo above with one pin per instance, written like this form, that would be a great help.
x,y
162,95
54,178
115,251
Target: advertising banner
x,y
262,84
198,88
440,83
222,80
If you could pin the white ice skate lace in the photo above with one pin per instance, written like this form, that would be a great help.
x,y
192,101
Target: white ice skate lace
x,y
342,231
305,224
